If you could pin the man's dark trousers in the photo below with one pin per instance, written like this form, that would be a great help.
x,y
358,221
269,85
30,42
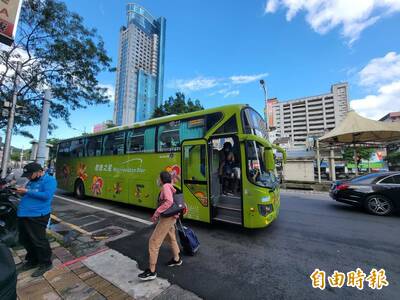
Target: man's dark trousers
x,y
32,235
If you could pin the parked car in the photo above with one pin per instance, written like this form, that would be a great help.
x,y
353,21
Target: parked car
x,y
377,193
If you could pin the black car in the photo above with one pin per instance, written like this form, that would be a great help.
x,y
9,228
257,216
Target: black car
x,y
378,193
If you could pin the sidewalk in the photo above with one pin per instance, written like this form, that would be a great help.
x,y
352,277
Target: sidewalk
x,y
102,274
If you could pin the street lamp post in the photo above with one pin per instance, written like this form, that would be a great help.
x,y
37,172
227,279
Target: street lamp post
x,y
10,124
44,125
264,87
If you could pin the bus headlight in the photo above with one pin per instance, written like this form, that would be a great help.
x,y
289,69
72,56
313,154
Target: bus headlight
x,y
265,209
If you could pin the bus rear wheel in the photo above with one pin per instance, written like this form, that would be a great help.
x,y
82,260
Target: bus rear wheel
x,y
79,190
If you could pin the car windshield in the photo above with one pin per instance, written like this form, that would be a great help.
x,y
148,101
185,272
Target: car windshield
x,y
256,167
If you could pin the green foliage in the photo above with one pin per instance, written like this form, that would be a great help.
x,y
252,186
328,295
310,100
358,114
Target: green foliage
x,y
56,50
393,158
177,105
363,152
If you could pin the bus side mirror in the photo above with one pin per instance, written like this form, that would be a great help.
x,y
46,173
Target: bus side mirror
x,y
269,159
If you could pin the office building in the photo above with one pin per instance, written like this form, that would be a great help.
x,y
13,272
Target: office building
x,y
308,117
140,71
391,117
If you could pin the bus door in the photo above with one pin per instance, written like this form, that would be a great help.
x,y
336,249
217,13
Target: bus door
x,y
226,182
195,183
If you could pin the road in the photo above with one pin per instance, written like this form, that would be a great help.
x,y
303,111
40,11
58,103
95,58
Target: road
x,y
311,232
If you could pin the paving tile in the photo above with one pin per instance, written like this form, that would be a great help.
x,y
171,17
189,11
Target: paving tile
x,y
96,296
100,284
119,296
56,262
87,275
65,281
75,266
39,290
93,280
81,270
54,245
104,290
25,278
55,273
112,289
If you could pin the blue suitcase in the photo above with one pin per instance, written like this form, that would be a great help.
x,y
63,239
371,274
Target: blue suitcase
x,y
188,239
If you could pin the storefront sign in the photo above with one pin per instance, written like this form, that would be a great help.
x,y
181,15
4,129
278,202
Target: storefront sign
x,y
9,15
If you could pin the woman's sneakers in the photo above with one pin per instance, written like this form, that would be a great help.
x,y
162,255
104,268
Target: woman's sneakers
x,y
173,262
147,275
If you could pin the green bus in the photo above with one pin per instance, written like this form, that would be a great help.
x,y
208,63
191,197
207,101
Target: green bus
x,y
123,163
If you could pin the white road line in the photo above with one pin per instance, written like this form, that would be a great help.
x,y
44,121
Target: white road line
x,y
106,210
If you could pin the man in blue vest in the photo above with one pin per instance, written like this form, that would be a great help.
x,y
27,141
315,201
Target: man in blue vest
x,y
33,216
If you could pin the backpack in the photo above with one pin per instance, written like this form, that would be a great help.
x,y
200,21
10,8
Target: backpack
x,y
188,239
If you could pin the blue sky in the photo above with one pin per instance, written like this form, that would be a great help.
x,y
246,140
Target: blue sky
x,y
216,51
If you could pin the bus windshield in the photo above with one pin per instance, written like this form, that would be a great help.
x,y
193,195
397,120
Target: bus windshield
x,y
256,167
253,123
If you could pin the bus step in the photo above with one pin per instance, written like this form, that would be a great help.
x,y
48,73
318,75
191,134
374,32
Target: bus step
x,y
227,219
229,206
229,215
230,201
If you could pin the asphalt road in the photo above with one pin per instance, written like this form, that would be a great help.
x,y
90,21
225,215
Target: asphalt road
x,y
311,232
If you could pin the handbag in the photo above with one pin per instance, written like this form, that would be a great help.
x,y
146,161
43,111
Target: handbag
x,y
177,206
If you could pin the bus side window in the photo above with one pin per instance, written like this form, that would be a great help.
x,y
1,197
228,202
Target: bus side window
x,y
135,141
77,148
114,143
140,140
169,137
64,149
93,146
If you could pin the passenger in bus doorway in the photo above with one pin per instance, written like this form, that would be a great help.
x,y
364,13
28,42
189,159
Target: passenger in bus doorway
x,y
229,172
165,229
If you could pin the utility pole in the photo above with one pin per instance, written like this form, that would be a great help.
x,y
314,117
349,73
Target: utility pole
x,y
263,85
44,125
10,125
21,157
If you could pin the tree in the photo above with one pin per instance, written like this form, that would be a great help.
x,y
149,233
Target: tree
x,y
362,153
55,50
177,105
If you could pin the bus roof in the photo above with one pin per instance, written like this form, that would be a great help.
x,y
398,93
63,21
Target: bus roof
x,y
160,120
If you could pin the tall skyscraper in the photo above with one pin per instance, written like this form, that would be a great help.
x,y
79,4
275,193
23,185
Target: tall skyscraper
x,y
140,71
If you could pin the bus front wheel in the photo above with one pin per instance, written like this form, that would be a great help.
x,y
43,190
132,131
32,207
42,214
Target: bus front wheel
x,y
79,190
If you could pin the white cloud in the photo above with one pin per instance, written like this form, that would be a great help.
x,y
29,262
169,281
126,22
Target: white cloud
x,y
195,84
353,16
225,85
226,92
110,91
375,106
382,76
233,93
246,78
381,70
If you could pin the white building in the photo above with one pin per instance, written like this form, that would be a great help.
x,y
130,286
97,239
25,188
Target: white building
x,y
304,118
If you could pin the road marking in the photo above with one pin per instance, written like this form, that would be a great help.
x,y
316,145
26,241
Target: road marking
x,y
75,227
106,210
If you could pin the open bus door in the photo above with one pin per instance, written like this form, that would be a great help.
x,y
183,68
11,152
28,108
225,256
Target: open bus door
x,y
195,182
